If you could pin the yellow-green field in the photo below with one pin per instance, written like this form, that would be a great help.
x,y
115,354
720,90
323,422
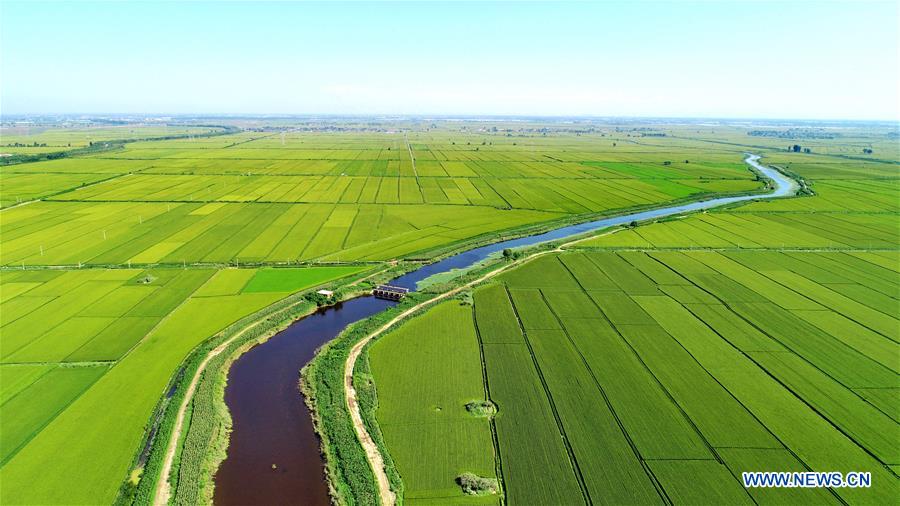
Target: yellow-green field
x,y
86,354
31,139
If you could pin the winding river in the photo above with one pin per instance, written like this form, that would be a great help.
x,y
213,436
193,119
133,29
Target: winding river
x,y
273,455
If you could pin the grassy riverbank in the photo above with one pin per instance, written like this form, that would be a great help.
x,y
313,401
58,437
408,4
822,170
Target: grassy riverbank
x,y
202,445
349,474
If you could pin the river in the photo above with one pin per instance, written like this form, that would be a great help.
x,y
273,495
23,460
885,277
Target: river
x,y
273,455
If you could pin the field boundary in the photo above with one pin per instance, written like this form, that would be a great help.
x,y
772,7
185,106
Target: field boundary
x,y
495,440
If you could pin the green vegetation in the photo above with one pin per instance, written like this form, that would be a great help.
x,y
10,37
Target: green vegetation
x,y
204,445
117,341
633,379
347,469
33,139
762,336
433,397
246,197
291,280
485,409
35,405
659,362
472,484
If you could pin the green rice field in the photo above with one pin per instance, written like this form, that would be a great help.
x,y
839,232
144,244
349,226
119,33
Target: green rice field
x,y
622,376
87,354
656,363
253,197
649,365
31,139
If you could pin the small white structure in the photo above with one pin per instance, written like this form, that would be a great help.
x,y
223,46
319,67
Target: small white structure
x,y
326,293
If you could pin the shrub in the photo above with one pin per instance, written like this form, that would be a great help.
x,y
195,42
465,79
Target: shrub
x,y
481,408
472,484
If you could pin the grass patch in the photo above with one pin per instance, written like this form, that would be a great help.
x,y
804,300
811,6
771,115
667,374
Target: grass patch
x,y
293,279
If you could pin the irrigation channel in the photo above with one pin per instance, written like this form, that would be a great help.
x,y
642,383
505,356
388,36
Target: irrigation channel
x,y
271,423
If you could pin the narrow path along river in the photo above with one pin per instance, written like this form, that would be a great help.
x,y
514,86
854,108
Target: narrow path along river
x,y
272,425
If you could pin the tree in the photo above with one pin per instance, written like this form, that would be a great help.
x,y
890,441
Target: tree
x,y
512,254
795,148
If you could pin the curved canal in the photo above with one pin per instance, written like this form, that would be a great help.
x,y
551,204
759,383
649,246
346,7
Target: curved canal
x,y
273,453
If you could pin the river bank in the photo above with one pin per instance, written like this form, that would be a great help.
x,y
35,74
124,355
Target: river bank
x,y
360,406
261,391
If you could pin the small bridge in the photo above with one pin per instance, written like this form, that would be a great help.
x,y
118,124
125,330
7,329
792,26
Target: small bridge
x,y
390,292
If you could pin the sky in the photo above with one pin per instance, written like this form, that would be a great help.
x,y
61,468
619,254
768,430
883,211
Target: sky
x,y
752,59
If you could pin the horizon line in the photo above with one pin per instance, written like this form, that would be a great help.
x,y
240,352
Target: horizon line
x,y
443,116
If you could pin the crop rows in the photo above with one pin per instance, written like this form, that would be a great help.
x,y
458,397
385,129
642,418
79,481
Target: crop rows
x,y
118,233
642,377
86,355
638,377
569,195
619,376
417,397
821,230
45,140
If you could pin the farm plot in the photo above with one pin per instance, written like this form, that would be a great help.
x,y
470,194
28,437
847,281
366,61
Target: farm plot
x,y
79,166
617,376
423,414
36,140
266,197
856,206
658,363
53,233
762,230
86,354
626,375
17,187
547,192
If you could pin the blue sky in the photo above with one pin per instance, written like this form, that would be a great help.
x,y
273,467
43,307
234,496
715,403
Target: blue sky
x,y
832,60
